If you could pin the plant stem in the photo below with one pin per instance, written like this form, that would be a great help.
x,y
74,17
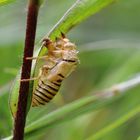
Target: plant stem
x,y
20,118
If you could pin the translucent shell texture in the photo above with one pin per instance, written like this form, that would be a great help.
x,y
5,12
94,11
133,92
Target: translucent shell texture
x,y
60,61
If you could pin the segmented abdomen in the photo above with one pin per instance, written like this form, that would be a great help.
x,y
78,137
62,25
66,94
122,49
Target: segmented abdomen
x,y
46,90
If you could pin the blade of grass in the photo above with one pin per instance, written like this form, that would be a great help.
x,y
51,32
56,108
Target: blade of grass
x,y
82,106
66,113
77,13
124,118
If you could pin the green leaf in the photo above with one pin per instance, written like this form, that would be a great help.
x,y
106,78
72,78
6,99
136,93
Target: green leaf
x,y
77,13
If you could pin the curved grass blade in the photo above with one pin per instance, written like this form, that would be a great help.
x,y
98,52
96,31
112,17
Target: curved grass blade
x,y
68,112
124,118
77,13
88,104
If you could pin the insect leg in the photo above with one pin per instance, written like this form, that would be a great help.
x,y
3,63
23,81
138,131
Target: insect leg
x,y
38,57
33,78
30,79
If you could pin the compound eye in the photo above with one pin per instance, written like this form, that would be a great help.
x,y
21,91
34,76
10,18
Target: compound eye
x,y
46,42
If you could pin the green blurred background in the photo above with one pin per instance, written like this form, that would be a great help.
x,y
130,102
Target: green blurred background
x,y
109,51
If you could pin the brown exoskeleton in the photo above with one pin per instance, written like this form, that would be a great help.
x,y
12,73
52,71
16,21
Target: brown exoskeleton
x,y
60,61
